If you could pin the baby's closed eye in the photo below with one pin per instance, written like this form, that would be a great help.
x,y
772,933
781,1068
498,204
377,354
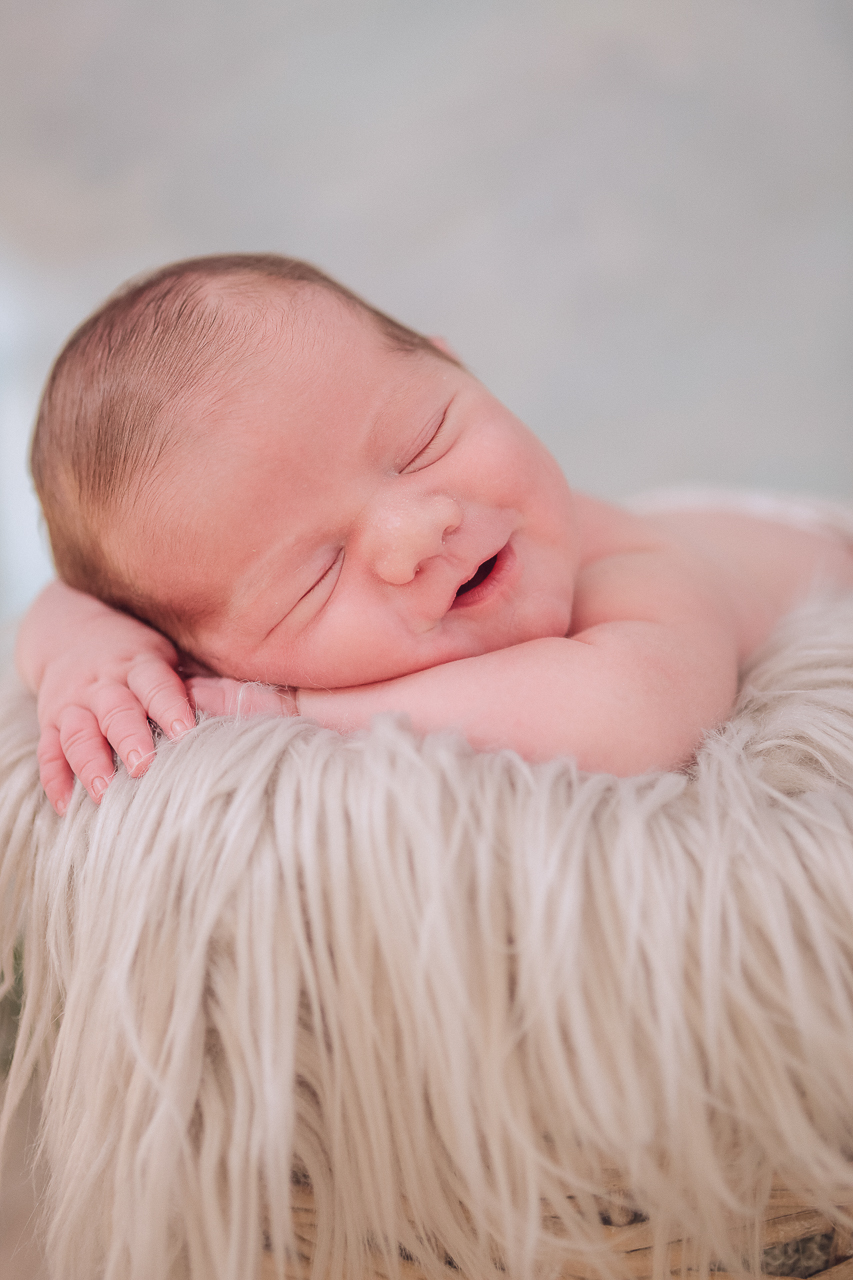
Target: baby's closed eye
x,y
433,447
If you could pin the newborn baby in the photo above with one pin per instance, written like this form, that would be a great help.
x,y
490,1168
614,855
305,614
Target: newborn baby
x,y
247,471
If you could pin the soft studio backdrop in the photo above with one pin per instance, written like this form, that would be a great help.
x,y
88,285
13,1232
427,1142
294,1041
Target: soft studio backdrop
x,y
632,218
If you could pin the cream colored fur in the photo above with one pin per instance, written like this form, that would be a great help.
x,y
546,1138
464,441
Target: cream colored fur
x,y
445,986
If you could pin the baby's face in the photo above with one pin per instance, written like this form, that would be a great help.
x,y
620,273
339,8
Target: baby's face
x,y
351,513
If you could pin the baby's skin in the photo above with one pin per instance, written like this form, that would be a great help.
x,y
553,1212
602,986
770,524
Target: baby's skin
x,y
369,530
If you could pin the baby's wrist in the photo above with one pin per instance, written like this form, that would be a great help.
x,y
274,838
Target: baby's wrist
x,y
309,703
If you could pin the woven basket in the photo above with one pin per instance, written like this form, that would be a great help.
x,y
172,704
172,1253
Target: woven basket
x,y
798,1241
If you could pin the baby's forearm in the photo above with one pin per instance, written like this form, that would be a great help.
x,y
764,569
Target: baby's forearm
x,y
613,700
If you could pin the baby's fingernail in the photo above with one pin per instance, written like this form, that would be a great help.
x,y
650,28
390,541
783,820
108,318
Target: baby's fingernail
x,y
133,759
61,806
98,787
179,728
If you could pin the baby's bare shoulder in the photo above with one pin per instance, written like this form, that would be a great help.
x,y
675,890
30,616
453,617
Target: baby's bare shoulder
x,y
605,529
763,567
632,569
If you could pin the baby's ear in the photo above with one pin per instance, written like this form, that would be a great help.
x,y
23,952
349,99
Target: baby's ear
x,y
444,345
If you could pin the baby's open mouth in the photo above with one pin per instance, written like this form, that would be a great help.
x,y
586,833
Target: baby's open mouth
x,y
480,576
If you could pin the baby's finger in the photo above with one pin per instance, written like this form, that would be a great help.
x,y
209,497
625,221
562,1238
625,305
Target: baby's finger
x,y
163,695
86,750
54,770
122,721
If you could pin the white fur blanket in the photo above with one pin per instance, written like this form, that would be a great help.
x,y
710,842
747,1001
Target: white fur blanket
x,y
447,987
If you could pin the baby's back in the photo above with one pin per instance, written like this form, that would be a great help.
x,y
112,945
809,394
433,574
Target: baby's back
x,y
769,566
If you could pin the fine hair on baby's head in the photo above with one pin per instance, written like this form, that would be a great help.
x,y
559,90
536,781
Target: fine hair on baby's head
x,y
121,390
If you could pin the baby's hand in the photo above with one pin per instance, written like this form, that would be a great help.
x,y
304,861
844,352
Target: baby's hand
x,y
99,676
221,696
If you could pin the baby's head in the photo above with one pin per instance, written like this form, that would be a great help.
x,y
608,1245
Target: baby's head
x,y
291,484
130,380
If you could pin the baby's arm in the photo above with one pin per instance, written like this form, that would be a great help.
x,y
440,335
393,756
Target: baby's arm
x,y
99,676
651,667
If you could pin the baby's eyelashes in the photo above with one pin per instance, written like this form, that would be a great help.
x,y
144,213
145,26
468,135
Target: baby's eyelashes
x,y
317,594
427,453
333,568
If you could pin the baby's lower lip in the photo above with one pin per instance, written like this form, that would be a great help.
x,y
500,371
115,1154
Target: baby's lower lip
x,y
492,578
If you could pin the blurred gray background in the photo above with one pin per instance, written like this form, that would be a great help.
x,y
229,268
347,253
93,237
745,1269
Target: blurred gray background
x,y
632,218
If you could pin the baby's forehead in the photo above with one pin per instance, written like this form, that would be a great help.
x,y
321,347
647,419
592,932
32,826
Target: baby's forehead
x,y
280,343
250,323
266,307
273,324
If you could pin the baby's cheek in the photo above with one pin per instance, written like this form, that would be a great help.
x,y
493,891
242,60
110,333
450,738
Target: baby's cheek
x,y
336,656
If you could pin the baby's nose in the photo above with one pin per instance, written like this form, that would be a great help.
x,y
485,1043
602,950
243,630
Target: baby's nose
x,y
407,533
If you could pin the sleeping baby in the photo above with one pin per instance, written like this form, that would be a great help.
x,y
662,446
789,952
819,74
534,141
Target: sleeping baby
x,y
248,474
